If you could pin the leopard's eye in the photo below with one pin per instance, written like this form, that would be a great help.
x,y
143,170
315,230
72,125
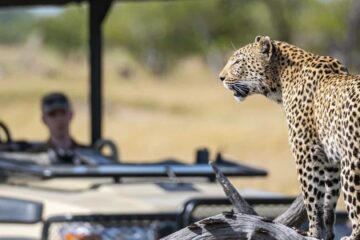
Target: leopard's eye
x,y
237,61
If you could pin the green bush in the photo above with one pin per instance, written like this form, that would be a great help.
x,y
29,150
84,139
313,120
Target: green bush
x,y
66,32
16,25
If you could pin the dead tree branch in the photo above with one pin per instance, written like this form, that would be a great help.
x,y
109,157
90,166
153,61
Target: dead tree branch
x,y
239,203
245,224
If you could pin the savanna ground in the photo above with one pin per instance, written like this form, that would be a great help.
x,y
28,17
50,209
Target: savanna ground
x,y
151,117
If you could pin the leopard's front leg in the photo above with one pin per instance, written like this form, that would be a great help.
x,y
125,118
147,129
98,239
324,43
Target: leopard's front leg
x,y
309,161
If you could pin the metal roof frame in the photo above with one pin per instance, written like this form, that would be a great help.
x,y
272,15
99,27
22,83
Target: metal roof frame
x,y
17,3
14,3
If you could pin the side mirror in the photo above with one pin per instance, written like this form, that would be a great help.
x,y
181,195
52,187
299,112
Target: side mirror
x,y
14,210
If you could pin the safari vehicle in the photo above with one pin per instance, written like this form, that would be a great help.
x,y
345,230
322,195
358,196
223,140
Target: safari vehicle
x,y
107,198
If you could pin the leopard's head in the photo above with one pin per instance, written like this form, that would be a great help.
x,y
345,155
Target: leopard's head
x,y
250,71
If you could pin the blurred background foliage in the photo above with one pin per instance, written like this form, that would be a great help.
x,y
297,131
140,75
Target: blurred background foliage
x,y
158,34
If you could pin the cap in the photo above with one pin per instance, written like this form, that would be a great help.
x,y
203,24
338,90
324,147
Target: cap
x,y
54,101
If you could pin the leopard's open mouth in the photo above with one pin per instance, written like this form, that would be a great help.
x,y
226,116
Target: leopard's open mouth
x,y
240,91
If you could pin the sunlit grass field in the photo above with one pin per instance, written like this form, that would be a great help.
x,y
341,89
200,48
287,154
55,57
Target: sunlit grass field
x,y
151,117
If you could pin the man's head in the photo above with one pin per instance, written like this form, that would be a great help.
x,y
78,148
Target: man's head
x,y
57,114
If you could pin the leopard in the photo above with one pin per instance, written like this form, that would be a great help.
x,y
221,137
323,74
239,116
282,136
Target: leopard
x,y
321,102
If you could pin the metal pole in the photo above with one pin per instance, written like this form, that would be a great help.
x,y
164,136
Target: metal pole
x,y
97,12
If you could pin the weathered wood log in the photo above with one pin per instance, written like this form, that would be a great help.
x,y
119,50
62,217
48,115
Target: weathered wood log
x,y
245,224
239,226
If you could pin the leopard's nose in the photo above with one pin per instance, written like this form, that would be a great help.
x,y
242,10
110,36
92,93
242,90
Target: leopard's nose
x,y
222,78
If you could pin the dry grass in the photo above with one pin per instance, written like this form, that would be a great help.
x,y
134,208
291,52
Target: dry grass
x,y
152,118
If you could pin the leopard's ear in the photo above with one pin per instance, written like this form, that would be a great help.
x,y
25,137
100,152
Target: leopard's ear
x,y
257,38
265,46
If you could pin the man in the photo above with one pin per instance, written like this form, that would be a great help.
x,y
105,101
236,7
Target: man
x,y
57,115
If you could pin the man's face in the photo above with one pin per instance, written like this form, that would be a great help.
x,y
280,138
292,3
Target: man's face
x,y
58,122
